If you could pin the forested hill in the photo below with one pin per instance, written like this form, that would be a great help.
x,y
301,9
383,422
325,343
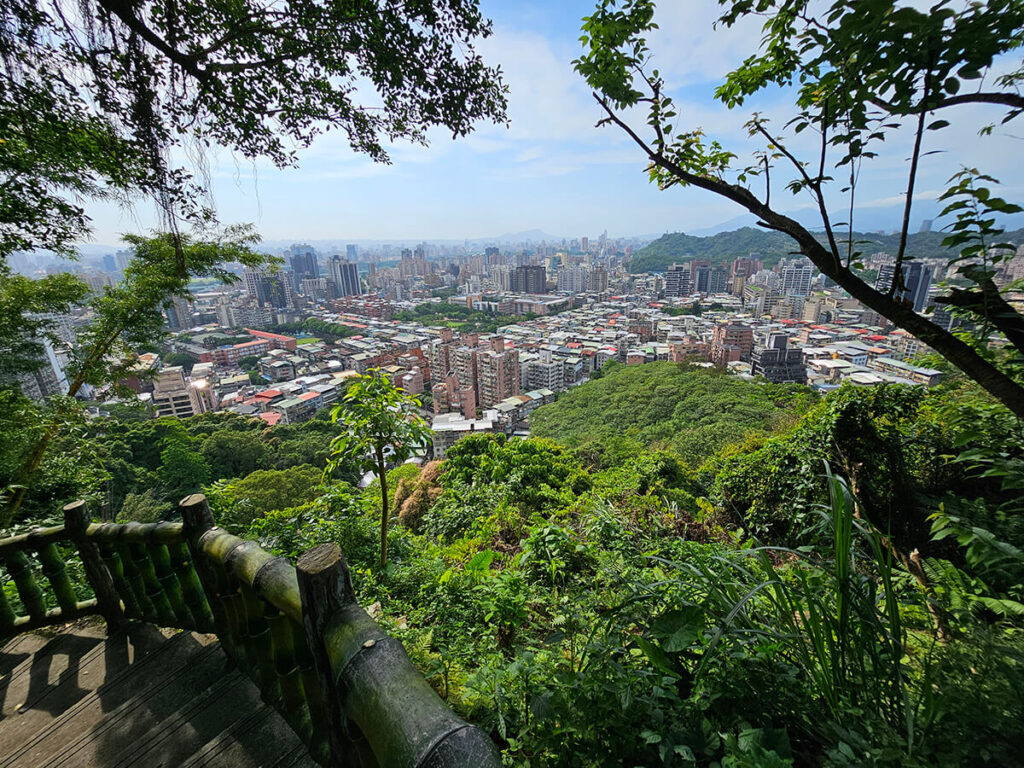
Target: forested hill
x,y
772,246
695,411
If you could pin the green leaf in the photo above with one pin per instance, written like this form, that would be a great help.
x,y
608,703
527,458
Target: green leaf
x,y
678,629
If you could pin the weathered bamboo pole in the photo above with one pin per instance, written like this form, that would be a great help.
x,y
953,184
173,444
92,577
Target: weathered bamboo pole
x,y
76,522
198,521
369,680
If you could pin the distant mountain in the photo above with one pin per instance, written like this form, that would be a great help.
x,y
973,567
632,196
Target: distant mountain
x,y
772,246
880,219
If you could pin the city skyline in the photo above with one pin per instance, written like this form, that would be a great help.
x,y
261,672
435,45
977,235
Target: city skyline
x,y
550,169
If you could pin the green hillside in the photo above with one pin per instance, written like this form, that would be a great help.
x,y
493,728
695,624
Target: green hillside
x,y
772,246
694,410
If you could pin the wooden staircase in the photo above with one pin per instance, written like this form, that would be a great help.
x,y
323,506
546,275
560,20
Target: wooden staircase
x,y
312,676
142,697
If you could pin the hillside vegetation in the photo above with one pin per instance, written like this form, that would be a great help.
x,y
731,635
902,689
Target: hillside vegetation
x,y
694,411
722,248
830,582
619,612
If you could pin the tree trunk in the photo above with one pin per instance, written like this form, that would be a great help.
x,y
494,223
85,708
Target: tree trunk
x,y
382,475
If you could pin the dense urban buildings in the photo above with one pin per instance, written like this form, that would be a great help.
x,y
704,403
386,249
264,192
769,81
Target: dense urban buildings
x,y
280,345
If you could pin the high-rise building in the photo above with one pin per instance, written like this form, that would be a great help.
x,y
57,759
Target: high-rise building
x,y
573,280
731,342
464,364
530,279
700,274
778,362
546,373
599,280
745,266
123,259
345,276
440,355
254,284
277,290
795,277
172,396
352,252
497,373
304,266
179,313
718,280
917,279
677,280
109,264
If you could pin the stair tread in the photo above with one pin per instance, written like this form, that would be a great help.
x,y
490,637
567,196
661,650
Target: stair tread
x,y
64,678
144,698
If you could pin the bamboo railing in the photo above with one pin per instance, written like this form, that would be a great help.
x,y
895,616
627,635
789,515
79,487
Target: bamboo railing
x,y
341,683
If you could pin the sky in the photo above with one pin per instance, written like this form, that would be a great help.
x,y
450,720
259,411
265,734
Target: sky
x,y
551,168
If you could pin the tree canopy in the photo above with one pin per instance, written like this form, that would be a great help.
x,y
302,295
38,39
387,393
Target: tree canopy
x,y
693,410
95,96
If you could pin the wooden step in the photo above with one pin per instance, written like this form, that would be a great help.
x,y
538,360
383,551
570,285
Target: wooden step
x,y
92,682
142,698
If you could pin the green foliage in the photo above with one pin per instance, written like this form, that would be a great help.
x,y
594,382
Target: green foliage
x,y
234,453
88,111
182,470
382,425
178,358
874,434
535,475
68,472
144,507
249,362
27,308
236,504
694,410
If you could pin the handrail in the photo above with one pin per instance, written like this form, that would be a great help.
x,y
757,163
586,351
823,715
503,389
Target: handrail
x,y
341,683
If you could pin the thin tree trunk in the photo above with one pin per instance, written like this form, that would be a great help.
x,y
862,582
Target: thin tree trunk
x,y
382,475
35,459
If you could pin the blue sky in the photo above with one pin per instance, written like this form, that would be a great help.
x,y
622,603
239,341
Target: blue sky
x,y
551,169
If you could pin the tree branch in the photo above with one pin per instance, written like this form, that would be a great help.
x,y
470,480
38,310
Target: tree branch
x,y
1013,100
815,186
124,11
897,273
987,375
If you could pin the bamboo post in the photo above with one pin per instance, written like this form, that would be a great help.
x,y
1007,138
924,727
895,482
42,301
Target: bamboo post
x,y
76,523
324,586
379,702
198,520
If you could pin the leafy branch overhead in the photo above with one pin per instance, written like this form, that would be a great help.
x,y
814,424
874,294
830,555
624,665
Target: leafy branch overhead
x,y
124,318
857,70
95,94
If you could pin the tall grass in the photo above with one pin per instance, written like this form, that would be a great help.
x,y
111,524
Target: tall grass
x,y
834,612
